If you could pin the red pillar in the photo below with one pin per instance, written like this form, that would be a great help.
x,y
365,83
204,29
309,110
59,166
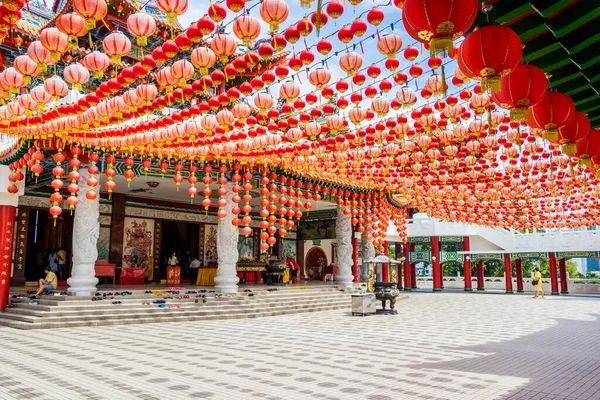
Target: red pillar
x,y
413,270
553,274
480,280
385,267
467,264
508,274
355,259
407,268
398,251
435,252
441,244
7,222
564,281
519,268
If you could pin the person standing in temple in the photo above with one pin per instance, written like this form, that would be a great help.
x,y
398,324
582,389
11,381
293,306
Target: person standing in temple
x,y
194,265
53,260
208,258
173,260
61,259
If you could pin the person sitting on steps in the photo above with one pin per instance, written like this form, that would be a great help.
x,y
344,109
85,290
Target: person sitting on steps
x,y
50,283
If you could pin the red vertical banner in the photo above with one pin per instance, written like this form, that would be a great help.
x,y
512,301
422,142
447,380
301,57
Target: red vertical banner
x,y
355,259
508,273
467,264
564,285
480,280
407,268
553,274
519,272
397,252
435,257
385,267
7,223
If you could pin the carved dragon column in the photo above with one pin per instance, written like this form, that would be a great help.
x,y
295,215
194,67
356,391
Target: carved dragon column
x,y
227,251
368,253
343,235
86,229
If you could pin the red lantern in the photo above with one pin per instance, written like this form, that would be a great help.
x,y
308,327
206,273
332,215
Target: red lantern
x,y
375,16
573,132
439,22
522,88
553,111
489,53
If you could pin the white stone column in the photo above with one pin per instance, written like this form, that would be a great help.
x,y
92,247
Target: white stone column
x,y
86,229
227,252
343,238
368,253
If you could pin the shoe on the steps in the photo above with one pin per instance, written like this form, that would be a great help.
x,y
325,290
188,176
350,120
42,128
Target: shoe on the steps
x,y
534,297
33,303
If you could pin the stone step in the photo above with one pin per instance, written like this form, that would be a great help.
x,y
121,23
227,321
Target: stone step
x,y
77,302
42,324
119,314
107,308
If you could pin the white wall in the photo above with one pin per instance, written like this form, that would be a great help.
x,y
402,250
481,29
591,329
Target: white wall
x,y
478,243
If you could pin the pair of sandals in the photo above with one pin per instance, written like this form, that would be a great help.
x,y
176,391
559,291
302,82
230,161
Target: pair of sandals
x,y
197,301
169,306
117,302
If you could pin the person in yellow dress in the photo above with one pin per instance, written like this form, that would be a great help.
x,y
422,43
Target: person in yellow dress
x,y
537,280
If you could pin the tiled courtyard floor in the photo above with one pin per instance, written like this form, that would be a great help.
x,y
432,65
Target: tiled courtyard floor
x,y
439,346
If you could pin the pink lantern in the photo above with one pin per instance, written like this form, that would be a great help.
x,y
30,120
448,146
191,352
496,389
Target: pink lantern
x,y
203,58
97,62
141,25
263,101
274,12
72,25
172,8
27,67
224,46
92,10
116,45
182,71
13,79
146,92
289,90
40,96
56,87
76,74
40,55
246,28
389,45
350,62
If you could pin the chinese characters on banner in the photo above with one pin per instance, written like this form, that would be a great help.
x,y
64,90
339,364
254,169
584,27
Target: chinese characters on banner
x,y
7,222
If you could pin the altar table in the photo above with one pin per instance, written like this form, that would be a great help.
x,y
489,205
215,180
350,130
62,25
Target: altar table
x,y
206,276
132,276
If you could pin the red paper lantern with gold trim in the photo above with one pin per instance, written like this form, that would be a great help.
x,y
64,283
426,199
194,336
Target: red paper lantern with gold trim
x,y
553,111
522,88
573,132
439,22
489,53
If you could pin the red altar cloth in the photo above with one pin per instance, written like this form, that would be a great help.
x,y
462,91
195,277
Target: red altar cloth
x,y
132,276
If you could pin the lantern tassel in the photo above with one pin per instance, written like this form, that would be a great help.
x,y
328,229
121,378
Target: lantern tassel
x,y
443,81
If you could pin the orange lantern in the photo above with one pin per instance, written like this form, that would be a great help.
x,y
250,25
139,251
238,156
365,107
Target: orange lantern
x,y
182,71
146,92
141,25
319,77
274,12
389,45
350,62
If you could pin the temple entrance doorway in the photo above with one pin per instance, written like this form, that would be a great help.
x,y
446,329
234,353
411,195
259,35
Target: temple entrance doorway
x,y
314,262
44,237
182,239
